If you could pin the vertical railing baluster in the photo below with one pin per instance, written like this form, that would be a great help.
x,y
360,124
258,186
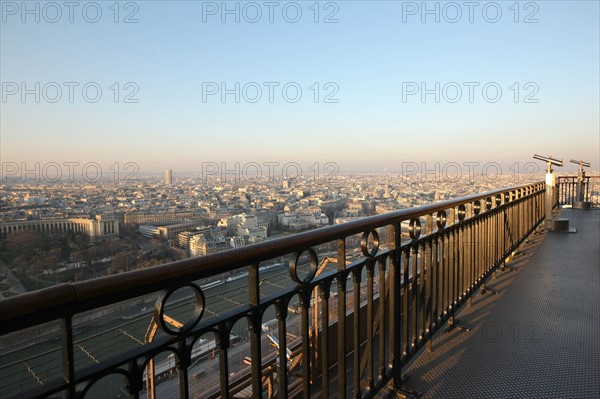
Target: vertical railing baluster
x,y
407,301
523,214
450,266
587,189
68,362
223,359
530,210
526,214
453,266
467,259
506,226
483,243
414,297
485,236
512,223
305,296
396,306
573,190
356,279
458,266
474,250
533,206
471,249
519,219
324,353
341,369
183,364
489,227
465,241
505,229
428,290
255,330
444,259
436,280
476,257
282,378
369,350
382,320
422,299
135,383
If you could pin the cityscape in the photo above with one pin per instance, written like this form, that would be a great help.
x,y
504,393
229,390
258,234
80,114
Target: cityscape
x,y
76,231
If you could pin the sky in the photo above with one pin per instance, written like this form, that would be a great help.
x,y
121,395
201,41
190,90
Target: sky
x,y
363,85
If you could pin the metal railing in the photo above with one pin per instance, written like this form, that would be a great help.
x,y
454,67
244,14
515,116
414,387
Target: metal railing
x,y
567,190
397,279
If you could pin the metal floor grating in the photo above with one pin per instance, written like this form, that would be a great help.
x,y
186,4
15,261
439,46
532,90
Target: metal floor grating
x,y
539,337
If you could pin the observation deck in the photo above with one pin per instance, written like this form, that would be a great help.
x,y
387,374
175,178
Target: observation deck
x,y
357,308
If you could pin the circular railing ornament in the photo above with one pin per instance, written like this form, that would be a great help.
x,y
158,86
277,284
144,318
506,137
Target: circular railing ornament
x,y
161,301
441,219
477,207
461,212
498,200
364,243
506,197
314,262
414,229
488,203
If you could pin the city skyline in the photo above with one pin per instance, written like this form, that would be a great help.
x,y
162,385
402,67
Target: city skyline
x,y
379,84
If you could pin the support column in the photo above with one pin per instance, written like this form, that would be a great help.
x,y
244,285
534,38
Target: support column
x,y
550,196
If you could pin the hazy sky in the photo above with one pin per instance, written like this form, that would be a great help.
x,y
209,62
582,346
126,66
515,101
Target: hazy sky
x,y
357,87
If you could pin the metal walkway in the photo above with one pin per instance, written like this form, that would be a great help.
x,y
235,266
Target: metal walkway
x,y
538,337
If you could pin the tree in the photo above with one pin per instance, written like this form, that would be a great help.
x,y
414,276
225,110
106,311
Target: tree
x,y
122,261
25,241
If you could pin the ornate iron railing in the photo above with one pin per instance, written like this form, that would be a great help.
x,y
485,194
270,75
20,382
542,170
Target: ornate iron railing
x,y
346,328
567,190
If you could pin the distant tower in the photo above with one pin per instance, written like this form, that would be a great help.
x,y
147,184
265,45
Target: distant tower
x,y
168,177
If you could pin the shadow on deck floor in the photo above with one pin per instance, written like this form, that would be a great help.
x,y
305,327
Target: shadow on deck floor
x,y
538,337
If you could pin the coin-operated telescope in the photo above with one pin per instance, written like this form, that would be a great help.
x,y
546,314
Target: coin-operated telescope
x,y
580,202
549,162
552,195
